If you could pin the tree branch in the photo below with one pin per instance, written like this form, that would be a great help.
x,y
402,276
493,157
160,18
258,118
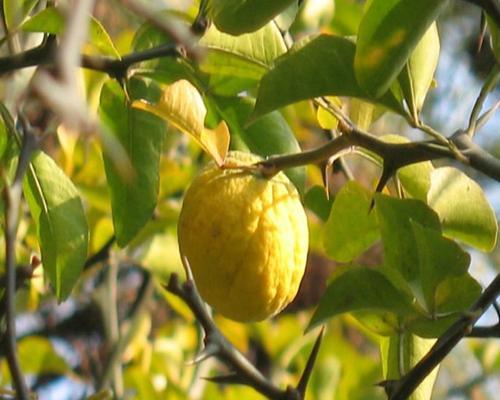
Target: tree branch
x,y
394,155
404,387
491,7
217,345
115,68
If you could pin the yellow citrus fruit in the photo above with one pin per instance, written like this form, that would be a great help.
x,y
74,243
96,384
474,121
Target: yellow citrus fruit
x,y
245,238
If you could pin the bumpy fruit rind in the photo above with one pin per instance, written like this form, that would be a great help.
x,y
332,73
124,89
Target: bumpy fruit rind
x,y
246,239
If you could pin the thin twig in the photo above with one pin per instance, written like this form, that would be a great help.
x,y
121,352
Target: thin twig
x,y
101,255
401,389
490,83
136,310
12,200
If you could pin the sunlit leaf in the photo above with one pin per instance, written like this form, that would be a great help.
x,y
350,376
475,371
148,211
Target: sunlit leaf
x,y
463,209
415,178
246,56
400,353
352,226
51,20
133,198
57,210
37,356
15,11
242,16
182,105
357,289
321,67
388,33
270,135
138,381
457,294
416,77
394,217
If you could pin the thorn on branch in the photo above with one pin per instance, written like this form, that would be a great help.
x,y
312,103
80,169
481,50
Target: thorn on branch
x,y
217,345
306,374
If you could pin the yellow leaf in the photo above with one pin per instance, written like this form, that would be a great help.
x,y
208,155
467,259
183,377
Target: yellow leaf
x,y
182,105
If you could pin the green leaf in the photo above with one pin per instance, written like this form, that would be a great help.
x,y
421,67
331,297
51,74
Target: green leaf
x,y
463,209
388,33
133,198
62,231
415,178
15,11
51,20
357,289
426,327
395,216
270,135
347,17
439,258
246,56
241,16
495,37
416,77
316,200
400,353
321,67
165,70
352,226
457,294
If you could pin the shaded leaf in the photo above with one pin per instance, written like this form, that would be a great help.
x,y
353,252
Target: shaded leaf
x,y
388,33
316,200
395,216
182,105
166,70
62,231
426,327
133,198
352,226
360,288
321,67
242,16
439,258
463,209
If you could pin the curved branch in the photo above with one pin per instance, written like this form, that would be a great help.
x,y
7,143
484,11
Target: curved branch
x,y
216,345
401,389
